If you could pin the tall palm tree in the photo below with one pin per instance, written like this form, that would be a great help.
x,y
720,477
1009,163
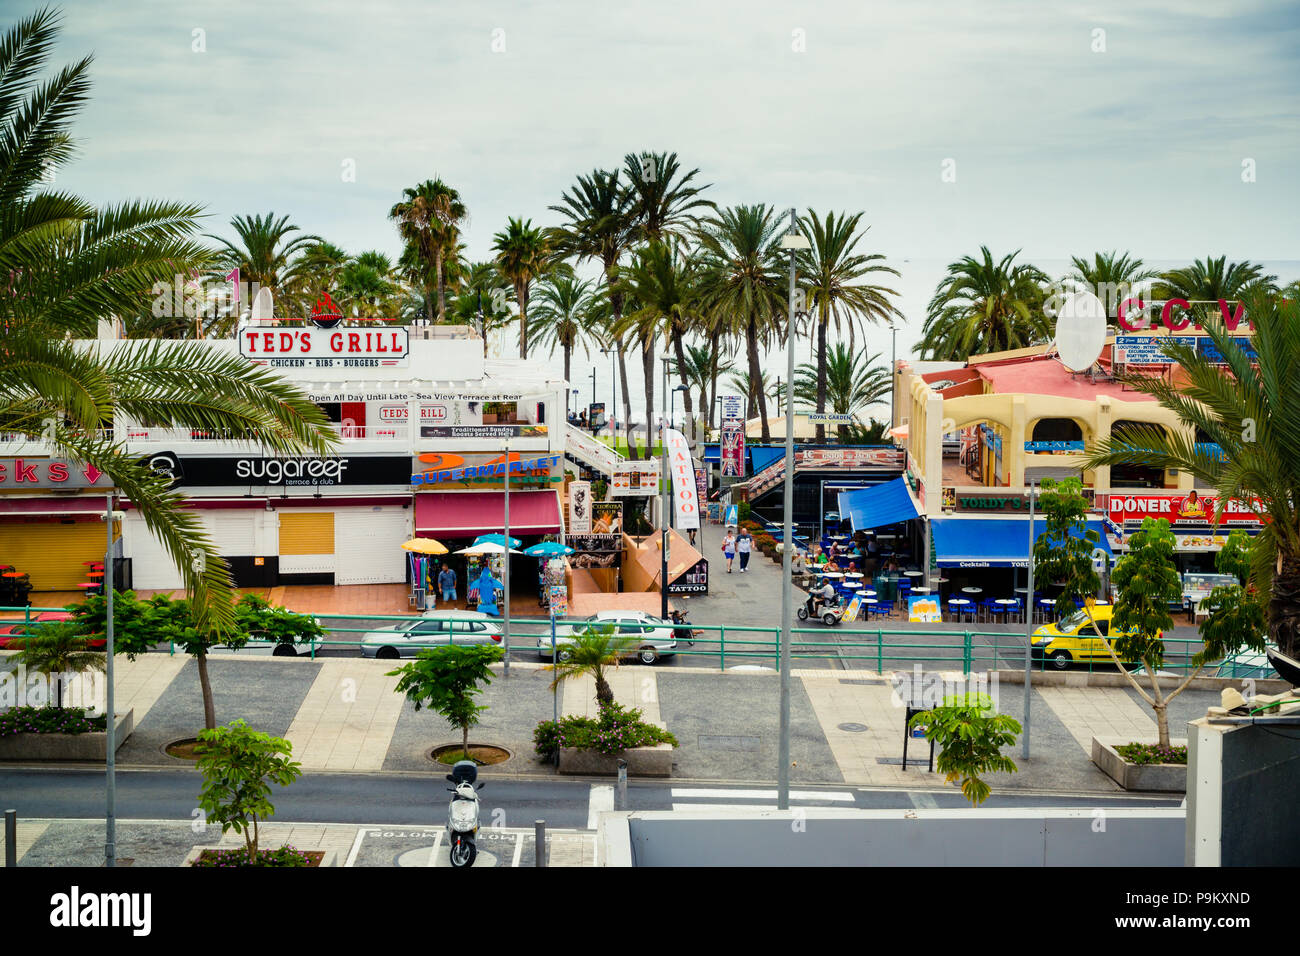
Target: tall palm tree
x,y
523,256
318,270
666,284
850,380
742,383
55,649
664,204
743,287
68,265
695,369
1254,417
598,226
590,652
985,306
832,272
366,287
483,301
429,217
1208,280
267,254
1110,276
563,315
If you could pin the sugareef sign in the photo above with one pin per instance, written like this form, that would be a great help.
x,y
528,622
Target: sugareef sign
x,y
318,348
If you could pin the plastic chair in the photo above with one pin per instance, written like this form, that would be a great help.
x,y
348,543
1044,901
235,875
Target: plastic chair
x,y
994,609
881,609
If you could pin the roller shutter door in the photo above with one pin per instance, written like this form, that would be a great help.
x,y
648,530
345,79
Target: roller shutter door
x,y
231,531
151,566
306,542
53,552
370,545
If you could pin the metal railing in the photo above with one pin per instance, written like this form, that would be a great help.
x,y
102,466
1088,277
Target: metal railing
x,y
882,649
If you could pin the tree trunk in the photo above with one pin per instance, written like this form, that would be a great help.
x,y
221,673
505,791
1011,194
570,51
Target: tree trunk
x,y
521,296
756,378
1284,607
464,742
568,391
604,694
209,708
442,286
713,386
648,368
58,691
821,371
681,373
627,401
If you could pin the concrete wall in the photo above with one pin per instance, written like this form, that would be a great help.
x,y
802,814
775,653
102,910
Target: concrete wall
x,y
831,837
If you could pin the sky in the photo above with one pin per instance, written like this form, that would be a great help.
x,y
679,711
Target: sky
x,y
1167,128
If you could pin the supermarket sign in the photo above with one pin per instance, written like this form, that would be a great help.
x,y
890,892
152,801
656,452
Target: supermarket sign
x,y
1192,508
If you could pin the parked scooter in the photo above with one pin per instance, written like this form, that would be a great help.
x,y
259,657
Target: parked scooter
x,y
829,611
683,631
462,813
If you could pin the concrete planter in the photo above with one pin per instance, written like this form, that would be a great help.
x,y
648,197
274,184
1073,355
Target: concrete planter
x,y
331,857
1159,777
656,761
91,747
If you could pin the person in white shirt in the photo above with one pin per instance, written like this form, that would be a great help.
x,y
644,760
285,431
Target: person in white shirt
x,y
729,549
744,545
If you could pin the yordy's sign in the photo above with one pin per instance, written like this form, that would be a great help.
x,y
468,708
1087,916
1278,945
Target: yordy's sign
x,y
319,348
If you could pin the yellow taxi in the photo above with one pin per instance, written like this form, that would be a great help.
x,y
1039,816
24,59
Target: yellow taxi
x,y
1072,640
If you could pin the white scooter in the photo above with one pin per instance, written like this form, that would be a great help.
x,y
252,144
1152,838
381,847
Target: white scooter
x,y
462,813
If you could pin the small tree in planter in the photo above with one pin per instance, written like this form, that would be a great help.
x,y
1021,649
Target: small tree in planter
x,y
1147,583
591,652
56,649
239,765
971,737
1063,553
446,680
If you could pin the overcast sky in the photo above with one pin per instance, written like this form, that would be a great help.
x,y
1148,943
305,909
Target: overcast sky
x,y
1071,127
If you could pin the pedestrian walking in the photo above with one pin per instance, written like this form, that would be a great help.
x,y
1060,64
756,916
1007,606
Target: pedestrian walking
x,y
729,548
744,545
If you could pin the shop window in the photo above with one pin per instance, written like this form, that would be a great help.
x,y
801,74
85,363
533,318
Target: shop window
x,y
1134,476
500,413
1057,429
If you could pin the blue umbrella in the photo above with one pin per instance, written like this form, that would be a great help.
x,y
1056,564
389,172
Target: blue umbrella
x,y
548,549
498,539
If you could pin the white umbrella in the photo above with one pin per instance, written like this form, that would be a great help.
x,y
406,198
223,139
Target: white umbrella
x,y
487,547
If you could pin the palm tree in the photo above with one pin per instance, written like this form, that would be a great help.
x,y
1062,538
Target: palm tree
x,y
1110,276
56,649
850,380
483,301
743,287
68,265
832,272
597,226
1209,280
695,369
591,652
428,219
523,255
265,254
562,314
366,287
984,306
742,383
318,270
1254,417
666,285
661,202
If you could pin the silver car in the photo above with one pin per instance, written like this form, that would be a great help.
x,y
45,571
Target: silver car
x,y
431,629
654,637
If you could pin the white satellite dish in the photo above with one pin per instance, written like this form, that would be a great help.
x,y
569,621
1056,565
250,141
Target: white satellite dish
x,y
263,306
1080,330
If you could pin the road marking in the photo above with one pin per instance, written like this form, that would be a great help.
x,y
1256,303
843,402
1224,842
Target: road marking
x,y
356,848
730,807
519,847
602,798
922,801
837,796
433,851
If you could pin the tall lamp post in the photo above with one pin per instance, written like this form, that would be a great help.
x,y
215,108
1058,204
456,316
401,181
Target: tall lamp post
x,y
672,414
893,374
505,573
593,395
792,241
664,505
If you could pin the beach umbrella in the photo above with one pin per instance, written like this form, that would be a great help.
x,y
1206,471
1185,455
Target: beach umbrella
x,y
486,547
498,539
548,549
425,546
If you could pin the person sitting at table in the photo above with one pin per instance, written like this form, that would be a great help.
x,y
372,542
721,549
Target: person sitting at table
x,y
891,566
797,563
819,556
831,565
853,567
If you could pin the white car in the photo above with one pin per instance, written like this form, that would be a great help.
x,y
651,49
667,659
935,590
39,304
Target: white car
x,y
654,637
431,629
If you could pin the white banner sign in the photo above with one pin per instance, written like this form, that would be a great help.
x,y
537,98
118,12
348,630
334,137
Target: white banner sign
x,y
635,479
579,507
733,408
686,496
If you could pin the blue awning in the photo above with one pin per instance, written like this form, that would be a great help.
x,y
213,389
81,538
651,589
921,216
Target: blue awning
x,y
993,542
879,505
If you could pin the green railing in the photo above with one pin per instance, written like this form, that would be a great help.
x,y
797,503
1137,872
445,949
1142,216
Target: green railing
x,y
969,650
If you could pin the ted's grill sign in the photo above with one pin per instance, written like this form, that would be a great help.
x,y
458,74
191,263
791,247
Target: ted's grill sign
x,y
324,348
1192,508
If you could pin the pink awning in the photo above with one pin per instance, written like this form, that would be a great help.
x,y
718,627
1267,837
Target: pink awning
x,y
467,514
86,506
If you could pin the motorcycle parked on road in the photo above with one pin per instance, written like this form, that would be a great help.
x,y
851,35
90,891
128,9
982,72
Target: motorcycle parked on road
x,y
462,813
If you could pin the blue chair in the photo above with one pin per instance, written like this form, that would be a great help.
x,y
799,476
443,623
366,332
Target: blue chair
x,y
881,609
994,610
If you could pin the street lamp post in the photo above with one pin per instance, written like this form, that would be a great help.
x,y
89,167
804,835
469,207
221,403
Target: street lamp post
x,y
593,394
792,241
110,722
505,573
664,506
893,374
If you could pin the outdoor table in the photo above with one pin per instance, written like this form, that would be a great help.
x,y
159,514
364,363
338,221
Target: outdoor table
x,y
15,574
1007,603
94,574
867,592
831,574
920,590
962,606
89,586
1047,605
914,574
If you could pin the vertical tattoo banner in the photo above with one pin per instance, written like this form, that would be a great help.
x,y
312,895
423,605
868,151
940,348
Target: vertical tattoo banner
x,y
686,497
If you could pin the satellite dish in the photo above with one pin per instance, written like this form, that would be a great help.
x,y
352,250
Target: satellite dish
x,y
1080,330
263,306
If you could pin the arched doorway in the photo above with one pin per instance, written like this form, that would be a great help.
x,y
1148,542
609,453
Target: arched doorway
x,y
1134,476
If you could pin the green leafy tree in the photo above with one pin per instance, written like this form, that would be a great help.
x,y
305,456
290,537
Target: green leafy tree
x,y
260,619
1063,552
1238,617
56,649
523,256
446,680
592,650
971,737
429,217
1111,276
850,381
1252,414
985,306
563,315
239,765
269,255
1208,280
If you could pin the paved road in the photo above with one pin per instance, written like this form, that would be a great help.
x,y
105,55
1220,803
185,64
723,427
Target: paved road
x,y
417,799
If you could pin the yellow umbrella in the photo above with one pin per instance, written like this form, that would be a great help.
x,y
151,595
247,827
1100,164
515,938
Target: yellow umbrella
x,y
425,546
